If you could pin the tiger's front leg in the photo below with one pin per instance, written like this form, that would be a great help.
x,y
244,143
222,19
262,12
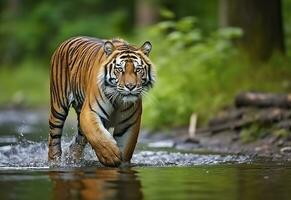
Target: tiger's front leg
x,y
127,131
99,138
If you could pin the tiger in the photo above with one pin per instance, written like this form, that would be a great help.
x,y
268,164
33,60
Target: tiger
x,y
104,81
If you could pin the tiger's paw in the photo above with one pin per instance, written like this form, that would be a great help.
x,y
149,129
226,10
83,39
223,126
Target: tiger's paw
x,y
109,155
54,154
54,159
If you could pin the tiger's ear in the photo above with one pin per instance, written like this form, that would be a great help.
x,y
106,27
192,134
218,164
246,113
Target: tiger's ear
x,y
108,48
146,48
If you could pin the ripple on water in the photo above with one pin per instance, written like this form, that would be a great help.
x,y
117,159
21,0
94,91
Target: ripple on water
x,y
34,155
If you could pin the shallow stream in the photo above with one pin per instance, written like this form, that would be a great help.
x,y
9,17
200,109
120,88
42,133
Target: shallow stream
x,y
153,174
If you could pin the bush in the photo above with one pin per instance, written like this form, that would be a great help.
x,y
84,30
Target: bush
x,y
189,63
201,73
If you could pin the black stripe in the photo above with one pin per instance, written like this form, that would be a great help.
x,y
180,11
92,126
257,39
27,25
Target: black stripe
x,y
59,78
102,109
110,71
57,114
57,136
102,98
103,120
105,71
97,49
99,61
108,80
128,118
128,56
127,108
149,73
80,133
110,66
52,125
55,144
90,106
65,108
125,129
126,52
107,83
53,81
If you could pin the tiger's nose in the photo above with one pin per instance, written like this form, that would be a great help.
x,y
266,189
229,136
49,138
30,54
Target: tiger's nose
x,y
130,86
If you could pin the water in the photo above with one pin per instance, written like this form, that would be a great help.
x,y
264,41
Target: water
x,y
153,174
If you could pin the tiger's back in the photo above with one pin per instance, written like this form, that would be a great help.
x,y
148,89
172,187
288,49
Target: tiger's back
x,y
72,64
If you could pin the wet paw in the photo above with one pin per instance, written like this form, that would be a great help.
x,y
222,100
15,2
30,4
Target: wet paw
x,y
54,155
109,154
54,159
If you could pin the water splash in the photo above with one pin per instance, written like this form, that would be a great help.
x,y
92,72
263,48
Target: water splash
x,y
164,158
34,155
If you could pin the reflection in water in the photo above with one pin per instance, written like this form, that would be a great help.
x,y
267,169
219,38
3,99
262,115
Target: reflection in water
x,y
101,183
235,181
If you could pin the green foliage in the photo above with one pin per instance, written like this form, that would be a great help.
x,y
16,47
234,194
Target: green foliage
x,y
252,133
286,6
281,133
201,73
31,30
189,65
36,28
259,131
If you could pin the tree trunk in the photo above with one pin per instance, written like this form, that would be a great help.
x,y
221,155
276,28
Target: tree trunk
x,y
263,100
146,13
261,22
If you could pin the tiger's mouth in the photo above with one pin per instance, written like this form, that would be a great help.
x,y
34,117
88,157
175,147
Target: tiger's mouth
x,y
130,97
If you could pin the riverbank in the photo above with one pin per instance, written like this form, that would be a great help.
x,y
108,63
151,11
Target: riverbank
x,y
228,142
257,124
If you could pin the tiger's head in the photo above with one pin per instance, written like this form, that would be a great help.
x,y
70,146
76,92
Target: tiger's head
x,y
128,71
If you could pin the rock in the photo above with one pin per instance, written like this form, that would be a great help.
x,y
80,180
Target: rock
x,y
162,144
285,150
284,124
280,143
191,140
187,146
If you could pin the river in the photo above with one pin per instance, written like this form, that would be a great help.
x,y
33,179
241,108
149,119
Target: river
x,y
154,173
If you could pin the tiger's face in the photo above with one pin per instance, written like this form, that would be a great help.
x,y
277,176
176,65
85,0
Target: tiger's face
x,y
128,72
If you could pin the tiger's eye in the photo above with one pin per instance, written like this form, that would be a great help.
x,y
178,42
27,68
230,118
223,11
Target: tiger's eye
x,y
119,69
138,70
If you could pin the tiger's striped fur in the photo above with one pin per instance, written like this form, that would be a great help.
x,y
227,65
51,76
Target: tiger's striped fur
x,y
104,82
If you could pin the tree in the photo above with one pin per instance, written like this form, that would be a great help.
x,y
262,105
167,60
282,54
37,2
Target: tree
x,y
146,13
261,22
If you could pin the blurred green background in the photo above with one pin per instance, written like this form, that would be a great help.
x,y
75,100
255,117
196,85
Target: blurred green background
x,y
205,52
